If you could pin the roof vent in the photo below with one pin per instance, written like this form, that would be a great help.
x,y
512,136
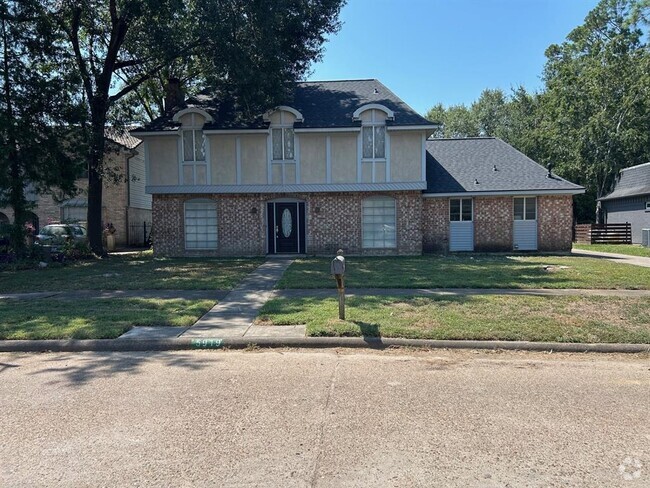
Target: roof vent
x,y
375,91
494,168
476,181
550,168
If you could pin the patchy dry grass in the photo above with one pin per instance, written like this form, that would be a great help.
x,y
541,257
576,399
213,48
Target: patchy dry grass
x,y
94,318
132,272
482,317
470,271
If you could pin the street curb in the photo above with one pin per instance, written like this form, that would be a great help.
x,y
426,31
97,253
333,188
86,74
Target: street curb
x,y
176,344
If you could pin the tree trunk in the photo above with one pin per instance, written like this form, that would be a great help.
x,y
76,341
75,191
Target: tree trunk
x,y
95,182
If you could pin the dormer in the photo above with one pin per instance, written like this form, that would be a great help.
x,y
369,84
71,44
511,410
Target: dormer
x,y
282,148
193,150
374,143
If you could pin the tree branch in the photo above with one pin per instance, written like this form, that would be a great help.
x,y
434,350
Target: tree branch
x,y
73,34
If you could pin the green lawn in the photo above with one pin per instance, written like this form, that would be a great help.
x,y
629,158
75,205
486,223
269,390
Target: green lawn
x,y
94,318
470,271
132,272
482,317
630,249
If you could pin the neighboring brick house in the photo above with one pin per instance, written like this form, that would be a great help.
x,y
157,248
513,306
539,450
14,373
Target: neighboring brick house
x,y
630,200
344,164
125,204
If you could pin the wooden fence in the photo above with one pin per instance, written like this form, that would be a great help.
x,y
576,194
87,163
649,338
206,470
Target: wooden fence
x,y
603,233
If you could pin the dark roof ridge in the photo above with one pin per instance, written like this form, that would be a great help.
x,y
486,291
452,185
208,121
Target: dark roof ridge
x,y
338,81
637,166
477,138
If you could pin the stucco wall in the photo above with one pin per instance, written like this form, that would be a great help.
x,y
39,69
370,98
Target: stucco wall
x,y
405,156
344,158
253,159
163,160
223,154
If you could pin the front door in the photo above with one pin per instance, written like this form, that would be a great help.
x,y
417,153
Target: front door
x,y
286,225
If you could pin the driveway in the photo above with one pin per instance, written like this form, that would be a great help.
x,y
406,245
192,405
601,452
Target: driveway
x,y
325,418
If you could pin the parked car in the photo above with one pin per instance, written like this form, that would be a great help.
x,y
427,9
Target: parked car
x,y
57,235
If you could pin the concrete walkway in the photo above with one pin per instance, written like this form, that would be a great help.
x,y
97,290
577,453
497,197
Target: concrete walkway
x,y
617,258
108,294
234,315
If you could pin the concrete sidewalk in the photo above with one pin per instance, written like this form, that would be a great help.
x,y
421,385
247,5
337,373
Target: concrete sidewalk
x,y
318,292
617,258
234,314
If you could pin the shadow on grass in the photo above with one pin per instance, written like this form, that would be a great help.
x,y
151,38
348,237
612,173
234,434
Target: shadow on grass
x,y
75,370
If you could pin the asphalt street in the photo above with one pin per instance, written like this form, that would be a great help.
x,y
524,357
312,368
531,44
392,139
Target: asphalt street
x,y
331,418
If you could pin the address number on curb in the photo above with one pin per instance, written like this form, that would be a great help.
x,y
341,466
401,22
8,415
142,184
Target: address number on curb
x,y
207,343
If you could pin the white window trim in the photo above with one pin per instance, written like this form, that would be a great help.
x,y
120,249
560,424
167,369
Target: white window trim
x,y
647,206
471,204
390,115
200,200
296,146
385,160
192,110
193,126
525,199
363,246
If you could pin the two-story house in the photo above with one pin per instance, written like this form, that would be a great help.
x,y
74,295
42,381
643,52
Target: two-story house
x,y
344,164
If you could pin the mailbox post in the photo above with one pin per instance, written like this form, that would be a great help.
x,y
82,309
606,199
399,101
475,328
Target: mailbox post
x,y
337,268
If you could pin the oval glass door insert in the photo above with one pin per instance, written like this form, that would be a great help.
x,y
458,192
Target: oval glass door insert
x,y
287,226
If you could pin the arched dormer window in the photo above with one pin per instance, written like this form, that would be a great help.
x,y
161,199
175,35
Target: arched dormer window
x,y
193,150
283,157
374,167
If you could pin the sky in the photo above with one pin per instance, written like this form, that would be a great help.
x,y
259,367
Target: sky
x,y
447,51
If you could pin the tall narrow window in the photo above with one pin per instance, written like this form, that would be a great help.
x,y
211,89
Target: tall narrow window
x,y
200,224
379,223
283,152
195,167
373,148
525,208
283,143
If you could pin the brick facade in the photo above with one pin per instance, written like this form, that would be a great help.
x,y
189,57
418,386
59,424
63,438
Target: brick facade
x,y
333,221
435,224
493,218
555,222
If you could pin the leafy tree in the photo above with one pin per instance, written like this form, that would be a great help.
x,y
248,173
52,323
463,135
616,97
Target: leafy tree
x,y
121,48
597,99
458,121
490,113
35,107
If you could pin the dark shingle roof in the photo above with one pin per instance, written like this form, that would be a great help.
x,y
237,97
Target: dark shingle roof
x,y
323,104
454,166
632,181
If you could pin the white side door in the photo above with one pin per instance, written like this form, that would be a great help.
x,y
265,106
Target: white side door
x,y
461,224
524,229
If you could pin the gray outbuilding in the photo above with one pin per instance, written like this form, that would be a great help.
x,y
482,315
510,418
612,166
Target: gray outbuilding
x,y
630,200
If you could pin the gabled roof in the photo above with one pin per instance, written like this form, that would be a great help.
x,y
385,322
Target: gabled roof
x,y
323,104
633,181
123,138
468,165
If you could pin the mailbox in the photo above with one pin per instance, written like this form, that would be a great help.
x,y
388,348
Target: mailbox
x,y
338,265
337,268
